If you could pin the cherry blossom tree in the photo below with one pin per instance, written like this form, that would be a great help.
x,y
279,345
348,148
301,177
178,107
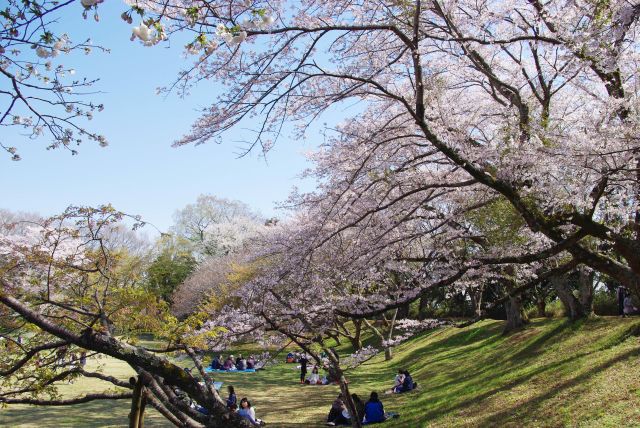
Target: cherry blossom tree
x,y
72,284
217,226
532,102
41,94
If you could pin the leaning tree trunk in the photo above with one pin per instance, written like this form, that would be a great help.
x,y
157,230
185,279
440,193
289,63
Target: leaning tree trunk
x,y
344,388
573,308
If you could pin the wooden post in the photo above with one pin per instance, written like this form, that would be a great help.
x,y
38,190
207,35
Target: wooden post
x,y
138,402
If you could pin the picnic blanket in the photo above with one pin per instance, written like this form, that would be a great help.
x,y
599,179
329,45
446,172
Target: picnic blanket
x,y
210,370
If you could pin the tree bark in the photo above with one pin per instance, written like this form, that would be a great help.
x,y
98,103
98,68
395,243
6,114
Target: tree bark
x,y
476,300
585,280
541,304
344,388
403,311
516,317
572,305
96,341
424,302
357,335
137,408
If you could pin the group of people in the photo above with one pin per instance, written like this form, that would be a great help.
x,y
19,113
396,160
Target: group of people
x,y
231,364
244,409
625,303
403,382
314,378
368,413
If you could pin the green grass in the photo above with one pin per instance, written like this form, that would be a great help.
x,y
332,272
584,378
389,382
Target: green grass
x,y
551,374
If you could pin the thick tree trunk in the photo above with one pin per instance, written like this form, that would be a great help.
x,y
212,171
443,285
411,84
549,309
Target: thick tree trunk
x,y
356,341
572,306
586,276
403,311
516,317
476,300
171,374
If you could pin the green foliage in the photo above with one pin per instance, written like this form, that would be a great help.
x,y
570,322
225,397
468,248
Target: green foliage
x,y
498,222
170,268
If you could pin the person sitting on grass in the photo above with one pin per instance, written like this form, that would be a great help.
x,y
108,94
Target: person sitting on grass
x,y
397,385
242,363
338,414
251,362
407,383
216,363
247,412
374,410
314,379
229,364
232,400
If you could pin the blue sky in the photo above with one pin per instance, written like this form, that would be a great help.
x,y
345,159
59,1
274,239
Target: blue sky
x,y
139,172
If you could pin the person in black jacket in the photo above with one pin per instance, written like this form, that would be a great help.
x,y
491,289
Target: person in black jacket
x,y
303,368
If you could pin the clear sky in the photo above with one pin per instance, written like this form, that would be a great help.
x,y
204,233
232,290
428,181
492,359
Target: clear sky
x,y
139,172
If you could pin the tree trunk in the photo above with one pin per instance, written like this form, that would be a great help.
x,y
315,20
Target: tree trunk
x,y
344,388
403,311
422,306
476,300
137,403
572,306
541,304
586,276
356,341
516,318
388,355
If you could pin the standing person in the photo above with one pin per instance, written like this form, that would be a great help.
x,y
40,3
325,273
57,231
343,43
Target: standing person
x,y
303,367
83,358
621,292
373,410
232,400
247,412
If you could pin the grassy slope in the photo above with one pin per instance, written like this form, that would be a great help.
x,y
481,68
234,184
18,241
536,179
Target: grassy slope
x,y
550,374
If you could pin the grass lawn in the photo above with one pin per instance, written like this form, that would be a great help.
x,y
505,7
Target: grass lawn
x,y
551,374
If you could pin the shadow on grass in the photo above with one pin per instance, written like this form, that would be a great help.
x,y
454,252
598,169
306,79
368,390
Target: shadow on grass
x,y
89,415
530,407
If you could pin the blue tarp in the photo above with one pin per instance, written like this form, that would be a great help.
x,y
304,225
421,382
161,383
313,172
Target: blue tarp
x,y
210,370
